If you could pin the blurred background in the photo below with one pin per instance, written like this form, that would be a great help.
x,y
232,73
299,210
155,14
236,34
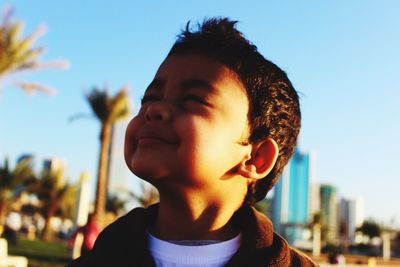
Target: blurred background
x,y
72,75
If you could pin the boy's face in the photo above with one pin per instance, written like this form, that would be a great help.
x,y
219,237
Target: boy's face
x,y
189,129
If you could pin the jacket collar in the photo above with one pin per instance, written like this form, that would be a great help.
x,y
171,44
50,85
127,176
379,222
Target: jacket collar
x,y
259,243
261,246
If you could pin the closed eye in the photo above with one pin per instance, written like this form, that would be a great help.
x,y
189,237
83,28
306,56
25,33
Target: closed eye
x,y
195,98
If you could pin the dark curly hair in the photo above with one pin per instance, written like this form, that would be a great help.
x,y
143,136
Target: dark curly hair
x,y
274,109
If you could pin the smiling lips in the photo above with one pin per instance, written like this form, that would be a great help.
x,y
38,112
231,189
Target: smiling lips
x,y
148,135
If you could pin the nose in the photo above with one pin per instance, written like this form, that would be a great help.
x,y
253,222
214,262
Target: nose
x,y
158,111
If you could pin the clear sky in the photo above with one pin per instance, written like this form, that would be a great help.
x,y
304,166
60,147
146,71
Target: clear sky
x,y
342,56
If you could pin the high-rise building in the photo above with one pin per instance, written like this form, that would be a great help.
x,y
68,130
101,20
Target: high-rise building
x,y
118,172
329,212
290,205
351,217
55,165
359,211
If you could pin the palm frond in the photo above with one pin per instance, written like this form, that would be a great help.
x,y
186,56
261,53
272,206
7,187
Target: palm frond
x,y
22,172
36,34
98,101
19,54
6,14
5,174
107,108
32,88
119,106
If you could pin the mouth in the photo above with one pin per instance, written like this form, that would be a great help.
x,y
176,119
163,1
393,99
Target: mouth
x,y
154,136
151,138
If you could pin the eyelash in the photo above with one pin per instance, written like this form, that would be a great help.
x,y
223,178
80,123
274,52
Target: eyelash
x,y
195,98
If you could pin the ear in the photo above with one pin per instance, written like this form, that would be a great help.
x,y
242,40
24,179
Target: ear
x,y
262,160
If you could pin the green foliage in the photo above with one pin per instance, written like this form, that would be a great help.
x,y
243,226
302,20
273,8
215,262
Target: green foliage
x,y
20,54
317,218
16,53
13,182
107,108
55,194
57,198
5,174
370,228
40,253
264,206
115,205
21,175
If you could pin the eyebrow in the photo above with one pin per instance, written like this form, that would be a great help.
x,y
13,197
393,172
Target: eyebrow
x,y
196,83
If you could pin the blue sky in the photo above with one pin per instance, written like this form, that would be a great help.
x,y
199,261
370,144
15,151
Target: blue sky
x,y
343,57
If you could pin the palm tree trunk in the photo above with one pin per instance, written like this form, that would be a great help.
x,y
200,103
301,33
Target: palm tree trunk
x,y
46,228
101,187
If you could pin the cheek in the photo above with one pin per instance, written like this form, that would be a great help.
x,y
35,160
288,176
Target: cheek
x,y
193,133
131,139
201,143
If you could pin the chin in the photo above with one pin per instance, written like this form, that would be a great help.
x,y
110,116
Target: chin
x,y
140,171
146,171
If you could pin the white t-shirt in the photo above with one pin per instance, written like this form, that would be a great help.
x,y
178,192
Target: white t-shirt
x,y
168,254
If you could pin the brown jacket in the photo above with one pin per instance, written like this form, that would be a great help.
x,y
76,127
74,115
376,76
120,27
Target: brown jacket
x,y
124,243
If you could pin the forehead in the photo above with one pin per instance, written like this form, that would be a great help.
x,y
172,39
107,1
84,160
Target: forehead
x,y
178,68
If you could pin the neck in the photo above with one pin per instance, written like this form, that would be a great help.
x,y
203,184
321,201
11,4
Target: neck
x,y
194,216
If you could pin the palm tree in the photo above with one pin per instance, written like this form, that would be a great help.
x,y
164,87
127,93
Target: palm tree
x,y
316,234
13,182
56,197
108,110
370,228
18,54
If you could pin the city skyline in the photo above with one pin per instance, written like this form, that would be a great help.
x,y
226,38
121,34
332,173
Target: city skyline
x,y
342,58
299,202
291,201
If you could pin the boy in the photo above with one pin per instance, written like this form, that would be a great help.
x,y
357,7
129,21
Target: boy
x,y
216,127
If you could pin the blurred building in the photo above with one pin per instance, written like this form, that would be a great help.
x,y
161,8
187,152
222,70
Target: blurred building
x,y
315,200
290,204
329,212
53,165
118,172
351,216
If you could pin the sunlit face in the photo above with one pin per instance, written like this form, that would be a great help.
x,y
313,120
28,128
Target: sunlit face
x,y
191,126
